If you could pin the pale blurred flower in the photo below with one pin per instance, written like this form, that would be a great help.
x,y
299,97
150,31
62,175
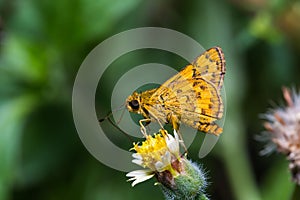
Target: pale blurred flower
x,y
283,129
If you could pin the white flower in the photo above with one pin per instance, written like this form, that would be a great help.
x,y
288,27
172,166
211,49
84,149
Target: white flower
x,y
156,153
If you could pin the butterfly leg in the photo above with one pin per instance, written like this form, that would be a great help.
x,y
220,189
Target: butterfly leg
x,y
143,129
175,123
160,124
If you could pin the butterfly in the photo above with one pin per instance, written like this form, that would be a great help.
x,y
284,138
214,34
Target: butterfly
x,y
192,96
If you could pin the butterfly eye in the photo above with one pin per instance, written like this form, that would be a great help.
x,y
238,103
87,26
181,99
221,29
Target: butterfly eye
x,y
134,104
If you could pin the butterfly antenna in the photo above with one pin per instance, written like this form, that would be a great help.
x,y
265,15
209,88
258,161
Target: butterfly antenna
x,y
122,114
107,117
117,127
111,112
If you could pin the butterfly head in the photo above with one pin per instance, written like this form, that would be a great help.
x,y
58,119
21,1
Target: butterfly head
x,y
133,102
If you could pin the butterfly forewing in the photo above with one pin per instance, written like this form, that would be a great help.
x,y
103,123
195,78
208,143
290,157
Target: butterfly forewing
x,y
211,66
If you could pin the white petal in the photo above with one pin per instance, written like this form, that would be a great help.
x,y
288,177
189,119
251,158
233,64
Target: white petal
x,y
137,156
141,179
176,135
139,176
138,162
166,159
170,139
173,143
140,172
159,166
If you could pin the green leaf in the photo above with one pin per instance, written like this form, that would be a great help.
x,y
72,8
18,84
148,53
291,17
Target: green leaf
x,y
12,116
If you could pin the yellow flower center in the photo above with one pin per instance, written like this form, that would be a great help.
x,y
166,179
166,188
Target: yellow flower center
x,y
153,150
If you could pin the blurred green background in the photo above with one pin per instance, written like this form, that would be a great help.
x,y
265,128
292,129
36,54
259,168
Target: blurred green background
x,y
42,45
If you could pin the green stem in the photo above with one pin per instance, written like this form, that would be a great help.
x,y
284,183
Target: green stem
x,y
296,193
237,163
